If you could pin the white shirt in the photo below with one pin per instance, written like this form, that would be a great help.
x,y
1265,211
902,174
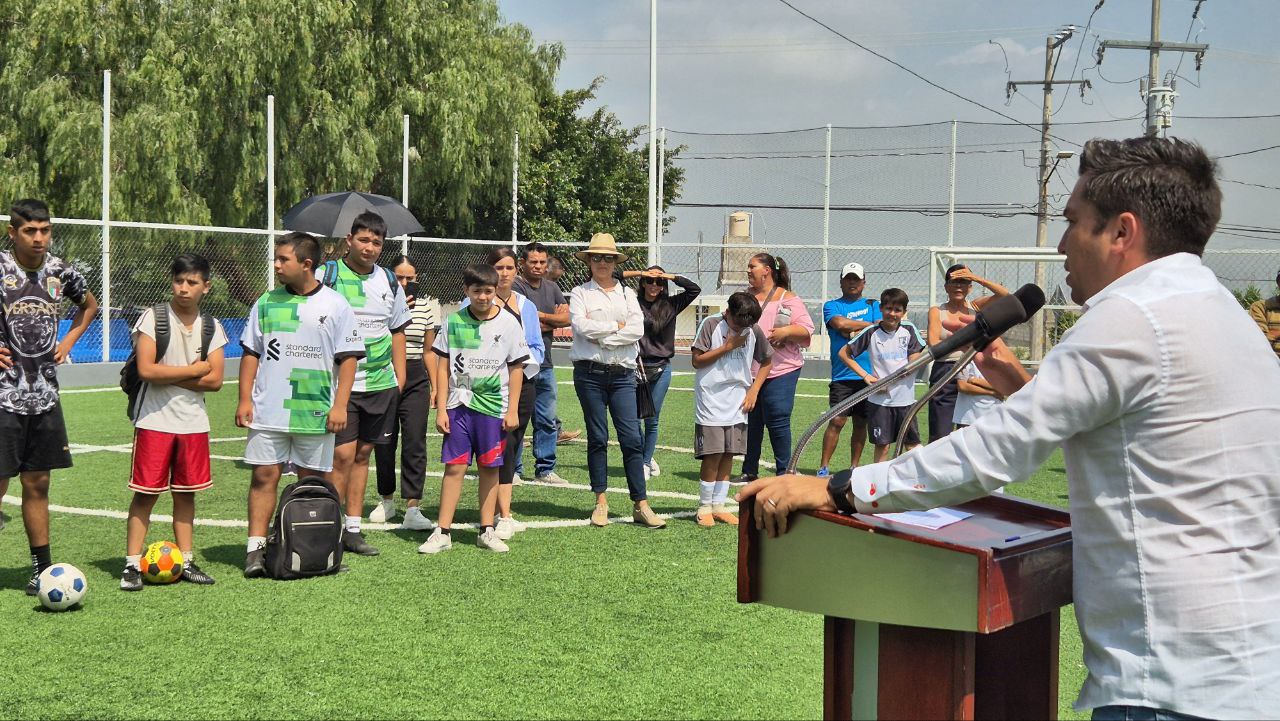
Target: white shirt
x,y
1166,402
971,405
888,352
720,388
594,314
168,407
380,308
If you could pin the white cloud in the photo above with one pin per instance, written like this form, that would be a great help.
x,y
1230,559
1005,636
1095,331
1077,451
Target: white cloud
x,y
989,53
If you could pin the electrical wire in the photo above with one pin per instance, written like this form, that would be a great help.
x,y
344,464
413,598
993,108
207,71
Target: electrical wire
x,y
1083,36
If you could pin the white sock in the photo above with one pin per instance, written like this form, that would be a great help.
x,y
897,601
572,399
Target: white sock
x,y
706,491
135,561
256,543
721,493
353,524
188,556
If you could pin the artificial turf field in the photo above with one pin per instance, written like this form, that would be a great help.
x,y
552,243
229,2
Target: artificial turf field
x,y
574,622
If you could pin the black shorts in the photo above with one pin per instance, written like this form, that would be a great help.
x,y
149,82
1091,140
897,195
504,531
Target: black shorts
x,y
371,417
884,423
839,390
33,443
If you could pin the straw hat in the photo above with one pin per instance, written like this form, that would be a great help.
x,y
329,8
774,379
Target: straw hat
x,y
601,244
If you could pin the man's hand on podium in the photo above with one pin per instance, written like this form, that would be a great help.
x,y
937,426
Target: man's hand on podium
x,y
778,496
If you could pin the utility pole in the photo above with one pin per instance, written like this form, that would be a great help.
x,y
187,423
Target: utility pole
x,y
1158,96
1052,44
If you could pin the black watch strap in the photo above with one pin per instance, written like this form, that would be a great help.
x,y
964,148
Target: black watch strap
x,y
838,489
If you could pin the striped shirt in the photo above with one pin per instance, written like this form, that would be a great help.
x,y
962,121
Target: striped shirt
x,y
424,316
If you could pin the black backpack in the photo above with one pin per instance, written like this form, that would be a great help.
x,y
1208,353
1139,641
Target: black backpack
x,y
306,535
131,382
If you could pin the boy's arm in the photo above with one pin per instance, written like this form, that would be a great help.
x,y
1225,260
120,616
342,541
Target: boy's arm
x,y
151,371
442,392
702,359
848,361
976,387
429,360
749,403
248,371
514,383
398,362
209,382
85,313
342,394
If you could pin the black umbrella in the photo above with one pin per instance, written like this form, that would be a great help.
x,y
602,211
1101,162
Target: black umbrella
x,y
331,214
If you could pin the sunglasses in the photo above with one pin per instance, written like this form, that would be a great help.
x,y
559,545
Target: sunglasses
x,y
598,258
653,281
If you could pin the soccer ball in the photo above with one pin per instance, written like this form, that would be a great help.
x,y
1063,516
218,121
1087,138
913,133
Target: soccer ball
x,y
61,586
162,563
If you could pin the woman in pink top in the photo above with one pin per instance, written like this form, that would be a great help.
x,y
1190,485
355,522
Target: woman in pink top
x,y
786,323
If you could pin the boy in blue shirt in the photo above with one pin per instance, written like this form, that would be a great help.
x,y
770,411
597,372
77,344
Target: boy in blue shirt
x,y
845,316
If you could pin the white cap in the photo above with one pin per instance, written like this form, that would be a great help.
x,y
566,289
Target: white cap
x,y
854,268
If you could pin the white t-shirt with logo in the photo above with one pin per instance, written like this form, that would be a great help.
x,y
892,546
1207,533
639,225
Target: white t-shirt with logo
x,y
168,407
479,353
298,339
380,309
720,388
888,353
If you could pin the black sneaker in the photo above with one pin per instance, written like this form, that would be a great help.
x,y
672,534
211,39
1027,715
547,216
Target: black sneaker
x,y
130,579
355,543
33,586
192,574
254,566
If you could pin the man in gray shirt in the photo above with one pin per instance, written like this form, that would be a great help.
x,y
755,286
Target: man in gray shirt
x,y
553,312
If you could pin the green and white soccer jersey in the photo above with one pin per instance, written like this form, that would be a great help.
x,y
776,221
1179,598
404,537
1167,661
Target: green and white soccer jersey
x,y
479,352
298,340
380,308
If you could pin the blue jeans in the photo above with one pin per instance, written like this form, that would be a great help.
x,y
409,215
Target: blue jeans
x,y
546,429
603,395
658,388
1137,713
773,411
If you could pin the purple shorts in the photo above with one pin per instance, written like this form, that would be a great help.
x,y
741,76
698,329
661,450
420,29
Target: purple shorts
x,y
473,433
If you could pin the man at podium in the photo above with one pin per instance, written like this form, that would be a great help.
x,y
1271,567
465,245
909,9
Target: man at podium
x,y
1166,402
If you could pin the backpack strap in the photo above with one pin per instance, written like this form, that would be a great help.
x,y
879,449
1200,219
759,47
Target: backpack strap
x,y
330,273
207,326
391,280
161,311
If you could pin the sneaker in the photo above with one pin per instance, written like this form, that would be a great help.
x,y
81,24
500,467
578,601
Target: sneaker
x,y
516,525
490,541
131,579
383,512
1,521
191,573
654,470
254,563
516,480
743,479
722,514
355,543
551,478
704,517
567,437
438,541
644,516
289,469
505,528
600,516
415,520
823,472
33,586
648,472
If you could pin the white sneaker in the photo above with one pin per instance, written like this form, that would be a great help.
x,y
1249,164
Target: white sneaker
x,y
648,472
383,512
505,528
489,541
414,520
551,478
436,543
516,480
654,470
517,526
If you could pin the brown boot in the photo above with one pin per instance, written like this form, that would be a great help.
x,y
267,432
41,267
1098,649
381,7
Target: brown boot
x,y
704,517
721,514
643,515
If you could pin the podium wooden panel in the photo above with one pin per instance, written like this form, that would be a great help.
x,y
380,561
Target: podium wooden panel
x,y
955,623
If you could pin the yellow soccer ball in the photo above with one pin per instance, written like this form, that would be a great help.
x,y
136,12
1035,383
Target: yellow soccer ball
x,y
162,563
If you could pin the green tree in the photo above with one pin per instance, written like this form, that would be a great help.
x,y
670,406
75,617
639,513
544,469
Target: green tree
x,y
1248,296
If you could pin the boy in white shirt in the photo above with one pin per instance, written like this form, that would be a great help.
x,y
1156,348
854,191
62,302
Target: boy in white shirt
x,y
171,440
723,393
890,344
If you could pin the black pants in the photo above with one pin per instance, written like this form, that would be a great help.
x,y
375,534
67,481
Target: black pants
x,y
411,431
942,407
515,439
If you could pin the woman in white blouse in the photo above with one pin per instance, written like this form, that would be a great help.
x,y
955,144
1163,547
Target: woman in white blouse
x,y
607,325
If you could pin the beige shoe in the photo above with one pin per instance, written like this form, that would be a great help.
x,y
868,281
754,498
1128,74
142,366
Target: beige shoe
x,y
600,516
704,517
722,514
644,516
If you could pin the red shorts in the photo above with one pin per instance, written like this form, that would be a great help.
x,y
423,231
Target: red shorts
x,y
159,457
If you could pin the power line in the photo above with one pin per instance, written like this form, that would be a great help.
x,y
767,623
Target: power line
x,y
1074,66
1248,152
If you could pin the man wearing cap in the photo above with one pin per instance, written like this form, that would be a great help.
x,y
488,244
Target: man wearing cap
x,y
1266,313
844,317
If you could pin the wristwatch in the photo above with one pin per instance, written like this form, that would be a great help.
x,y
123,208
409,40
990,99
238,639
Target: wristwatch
x,y
838,489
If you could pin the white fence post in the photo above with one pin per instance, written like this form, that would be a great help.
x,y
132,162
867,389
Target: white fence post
x,y
404,180
826,225
515,189
662,180
271,191
106,216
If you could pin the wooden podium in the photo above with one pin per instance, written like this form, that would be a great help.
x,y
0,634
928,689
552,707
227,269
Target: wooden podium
x,y
955,623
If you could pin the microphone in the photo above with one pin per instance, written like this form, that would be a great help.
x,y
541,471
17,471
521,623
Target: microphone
x,y
993,320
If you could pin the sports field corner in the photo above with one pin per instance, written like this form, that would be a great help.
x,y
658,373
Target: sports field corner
x,y
574,622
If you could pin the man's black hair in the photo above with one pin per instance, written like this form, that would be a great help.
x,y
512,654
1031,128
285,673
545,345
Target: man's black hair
x,y
190,263
27,210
